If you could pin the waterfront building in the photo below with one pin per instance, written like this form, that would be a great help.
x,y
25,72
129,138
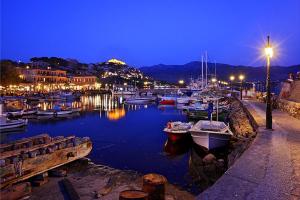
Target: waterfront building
x,y
43,75
86,82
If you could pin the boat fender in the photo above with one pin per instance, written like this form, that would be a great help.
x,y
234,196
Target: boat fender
x,y
169,125
55,113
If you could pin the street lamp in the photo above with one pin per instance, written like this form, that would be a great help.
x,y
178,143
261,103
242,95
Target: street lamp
x,y
231,78
241,77
269,55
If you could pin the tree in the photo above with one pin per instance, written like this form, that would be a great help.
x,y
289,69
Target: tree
x,y
8,73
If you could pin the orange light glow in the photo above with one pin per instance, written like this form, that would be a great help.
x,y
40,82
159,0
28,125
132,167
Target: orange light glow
x,y
116,114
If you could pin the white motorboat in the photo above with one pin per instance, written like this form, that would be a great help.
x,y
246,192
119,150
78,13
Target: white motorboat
x,y
183,100
177,130
210,134
15,113
54,112
7,124
29,111
139,100
197,105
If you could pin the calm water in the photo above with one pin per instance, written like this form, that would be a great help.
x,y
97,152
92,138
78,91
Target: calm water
x,y
123,136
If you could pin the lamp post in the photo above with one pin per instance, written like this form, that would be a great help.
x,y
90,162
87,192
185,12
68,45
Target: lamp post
x,y
231,78
241,77
269,54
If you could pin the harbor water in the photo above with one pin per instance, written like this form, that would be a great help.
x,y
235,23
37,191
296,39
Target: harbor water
x,y
124,136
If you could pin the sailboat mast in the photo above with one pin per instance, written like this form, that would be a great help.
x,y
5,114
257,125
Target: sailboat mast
x,y
202,72
215,69
206,68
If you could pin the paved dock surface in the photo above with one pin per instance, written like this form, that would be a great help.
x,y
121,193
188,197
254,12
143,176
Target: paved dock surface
x,y
270,168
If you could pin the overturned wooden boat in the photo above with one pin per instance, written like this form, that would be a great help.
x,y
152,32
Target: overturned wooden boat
x,y
28,157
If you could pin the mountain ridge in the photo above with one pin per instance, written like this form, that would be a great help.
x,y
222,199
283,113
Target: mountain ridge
x,y
173,73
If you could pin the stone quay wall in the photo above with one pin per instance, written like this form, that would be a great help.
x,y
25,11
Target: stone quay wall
x,y
243,127
291,107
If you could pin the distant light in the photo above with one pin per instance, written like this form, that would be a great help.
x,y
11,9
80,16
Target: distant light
x,y
125,84
232,78
213,80
241,77
181,82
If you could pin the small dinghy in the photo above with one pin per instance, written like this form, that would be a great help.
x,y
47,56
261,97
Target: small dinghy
x,y
177,130
8,124
211,134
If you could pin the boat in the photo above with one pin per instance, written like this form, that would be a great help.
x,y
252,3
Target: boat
x,y
210,134
15,113
195,105
55,112
177,130
25,158
168,100
139,100
29,111
8,124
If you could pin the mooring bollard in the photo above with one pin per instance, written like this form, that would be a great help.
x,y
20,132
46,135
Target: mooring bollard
x,y
154,185
133,195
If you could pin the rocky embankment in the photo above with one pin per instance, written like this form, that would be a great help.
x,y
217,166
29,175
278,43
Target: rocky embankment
x,y
243,127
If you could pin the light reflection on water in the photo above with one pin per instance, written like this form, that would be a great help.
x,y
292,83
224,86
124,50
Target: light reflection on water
x,y
123,136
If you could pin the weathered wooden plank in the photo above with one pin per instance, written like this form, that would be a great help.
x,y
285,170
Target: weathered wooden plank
x,y
5,155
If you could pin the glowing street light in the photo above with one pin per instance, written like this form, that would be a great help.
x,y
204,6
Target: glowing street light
x,y
181,82
213,80
269,55
241,77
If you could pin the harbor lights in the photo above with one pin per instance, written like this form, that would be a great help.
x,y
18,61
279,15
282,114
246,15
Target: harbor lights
x,y
269,55
231,78
241,77
213,80
181,82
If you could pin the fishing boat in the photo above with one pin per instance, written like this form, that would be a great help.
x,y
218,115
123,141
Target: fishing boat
x,y
210,134
28,157
8,124
177,130
139,100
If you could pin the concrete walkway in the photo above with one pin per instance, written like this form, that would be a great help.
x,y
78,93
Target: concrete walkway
x,y
270,168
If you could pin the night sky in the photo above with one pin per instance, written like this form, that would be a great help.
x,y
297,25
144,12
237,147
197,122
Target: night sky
x,y
144,32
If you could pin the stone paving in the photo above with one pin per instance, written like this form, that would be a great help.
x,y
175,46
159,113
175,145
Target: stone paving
x,y
270,168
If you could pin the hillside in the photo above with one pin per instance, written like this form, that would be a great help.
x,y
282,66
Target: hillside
x,y
173,73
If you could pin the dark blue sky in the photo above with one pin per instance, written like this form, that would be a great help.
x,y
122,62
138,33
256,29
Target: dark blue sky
x,y
144,32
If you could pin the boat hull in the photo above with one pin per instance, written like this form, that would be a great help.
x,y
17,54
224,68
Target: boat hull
x,y
169,102
13,125
43,163
175,136
210,140
54,112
